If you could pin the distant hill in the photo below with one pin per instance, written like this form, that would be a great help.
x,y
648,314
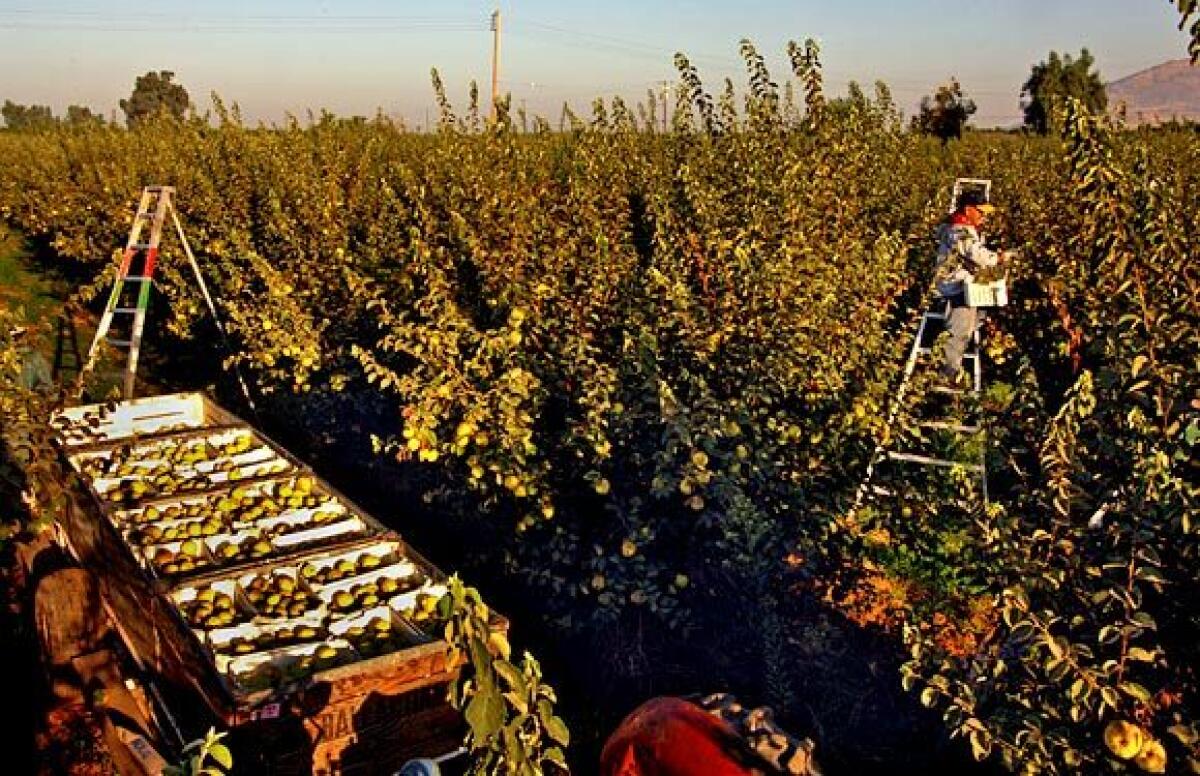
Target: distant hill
x,y
1158,94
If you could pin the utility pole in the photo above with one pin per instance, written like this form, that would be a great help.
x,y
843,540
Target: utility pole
x,y
495,64
663,87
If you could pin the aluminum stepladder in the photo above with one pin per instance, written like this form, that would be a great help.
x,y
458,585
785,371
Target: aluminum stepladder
x,y
936,315
156,203
152,212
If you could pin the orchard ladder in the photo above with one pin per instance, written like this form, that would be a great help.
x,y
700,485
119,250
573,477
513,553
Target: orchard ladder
x,y
136,271
979,187
931,321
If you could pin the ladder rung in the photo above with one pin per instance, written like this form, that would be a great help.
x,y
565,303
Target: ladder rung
x,y
951,391
125,310
147,214
141,246
928,461
118,343
944,426
137,278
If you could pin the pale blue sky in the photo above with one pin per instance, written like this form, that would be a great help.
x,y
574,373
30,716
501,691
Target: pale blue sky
x,y
353,56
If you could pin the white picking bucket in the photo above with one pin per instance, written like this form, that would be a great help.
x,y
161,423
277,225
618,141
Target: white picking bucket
x,y
993,294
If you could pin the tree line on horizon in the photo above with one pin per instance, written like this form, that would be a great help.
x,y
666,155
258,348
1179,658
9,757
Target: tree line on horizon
x,y
944,114
153,93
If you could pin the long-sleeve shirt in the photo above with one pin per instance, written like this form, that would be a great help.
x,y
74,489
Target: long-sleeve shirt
x,y
961,253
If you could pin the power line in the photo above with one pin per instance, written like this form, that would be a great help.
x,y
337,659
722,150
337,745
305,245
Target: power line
x,y
602,42
153,21
270,18
235,30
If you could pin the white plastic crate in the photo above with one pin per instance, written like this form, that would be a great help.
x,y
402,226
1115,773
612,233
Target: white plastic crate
x,y
131,418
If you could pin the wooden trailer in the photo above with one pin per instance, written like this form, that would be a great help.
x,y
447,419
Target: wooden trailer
x,y
253,595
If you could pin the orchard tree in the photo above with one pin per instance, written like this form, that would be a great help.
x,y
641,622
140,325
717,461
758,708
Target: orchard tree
x,y
17,116
82,115
944,114
154,93
1187,10
1052,82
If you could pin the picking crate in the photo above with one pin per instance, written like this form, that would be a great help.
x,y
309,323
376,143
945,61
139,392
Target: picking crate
x,y
352,713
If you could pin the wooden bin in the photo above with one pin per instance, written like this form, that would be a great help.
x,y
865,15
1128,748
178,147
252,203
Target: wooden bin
x,y
365,717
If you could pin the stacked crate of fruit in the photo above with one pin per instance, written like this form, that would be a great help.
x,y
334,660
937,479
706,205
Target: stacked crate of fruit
x,y
274,573
159,468
281,623
233,524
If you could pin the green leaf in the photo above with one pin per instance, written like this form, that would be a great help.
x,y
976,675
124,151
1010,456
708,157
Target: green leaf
x,y
1141,654
1137,691
485,713
555,756
511,676
980,746
222,755
518,702
1185,734
557,730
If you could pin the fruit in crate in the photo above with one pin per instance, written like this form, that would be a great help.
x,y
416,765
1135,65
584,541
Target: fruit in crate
x,y
372,593
297,524
211,609
327,656
424,610
240,444
325,572
147,515
268,640
160,534
164,484
151,534
239,646
322,517
189,557
379,637
232,551
279,596
361,596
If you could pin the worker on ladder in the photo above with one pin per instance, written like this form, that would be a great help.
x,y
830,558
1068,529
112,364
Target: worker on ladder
x,y
961,253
